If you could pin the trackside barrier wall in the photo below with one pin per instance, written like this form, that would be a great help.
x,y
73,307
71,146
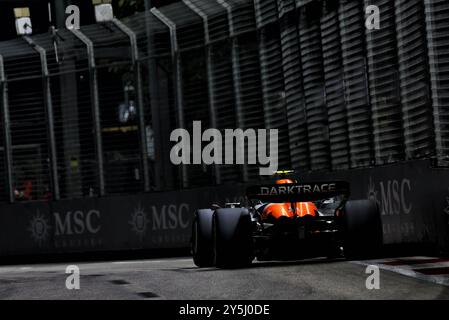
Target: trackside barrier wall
x,y
158,220
412,197
414,209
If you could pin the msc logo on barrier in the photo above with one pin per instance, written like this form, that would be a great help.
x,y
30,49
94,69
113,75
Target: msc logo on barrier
x,y
392,196
394,200
39,228
164,218
72,223
77,222
139,222
77,228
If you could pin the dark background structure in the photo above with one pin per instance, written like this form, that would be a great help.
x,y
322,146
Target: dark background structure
x,y
368,106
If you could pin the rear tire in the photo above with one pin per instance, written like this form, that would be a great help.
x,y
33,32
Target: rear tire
x,y
363,236
233,242
202,248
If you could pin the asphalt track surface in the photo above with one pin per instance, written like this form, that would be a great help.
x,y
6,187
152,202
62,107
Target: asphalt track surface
x,y
178,278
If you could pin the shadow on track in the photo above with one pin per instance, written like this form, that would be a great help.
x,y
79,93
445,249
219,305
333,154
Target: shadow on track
x,y
389,251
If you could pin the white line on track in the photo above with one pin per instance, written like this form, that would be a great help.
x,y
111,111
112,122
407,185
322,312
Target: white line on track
x,y
151,261
136,262
409,270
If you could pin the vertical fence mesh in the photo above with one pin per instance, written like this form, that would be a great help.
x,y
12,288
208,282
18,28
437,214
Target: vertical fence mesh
x,y
118,109
341,95
353,49
272,76
314,93
156,64
334,87
73,120
384,86
4,189
414,79
190,36
437,17
293,84
247,70
30,150
222,87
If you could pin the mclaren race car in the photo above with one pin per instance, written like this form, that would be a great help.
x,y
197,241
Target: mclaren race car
x,y
287,221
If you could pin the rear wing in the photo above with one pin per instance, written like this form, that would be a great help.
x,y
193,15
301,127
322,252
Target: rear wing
x,y
302,192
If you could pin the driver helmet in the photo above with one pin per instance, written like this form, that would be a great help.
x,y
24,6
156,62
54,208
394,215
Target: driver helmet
x,y
285,181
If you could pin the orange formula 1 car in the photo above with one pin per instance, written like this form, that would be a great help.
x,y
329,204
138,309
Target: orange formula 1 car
x,y
287,220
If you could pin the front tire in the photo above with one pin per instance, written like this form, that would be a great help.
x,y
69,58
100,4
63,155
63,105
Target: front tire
x,y
363,236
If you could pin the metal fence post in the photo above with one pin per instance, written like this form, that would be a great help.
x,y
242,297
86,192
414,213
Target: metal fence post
x,y
210,84
178,80
7,145
236,75
95,106
49,113
161,161
138,77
